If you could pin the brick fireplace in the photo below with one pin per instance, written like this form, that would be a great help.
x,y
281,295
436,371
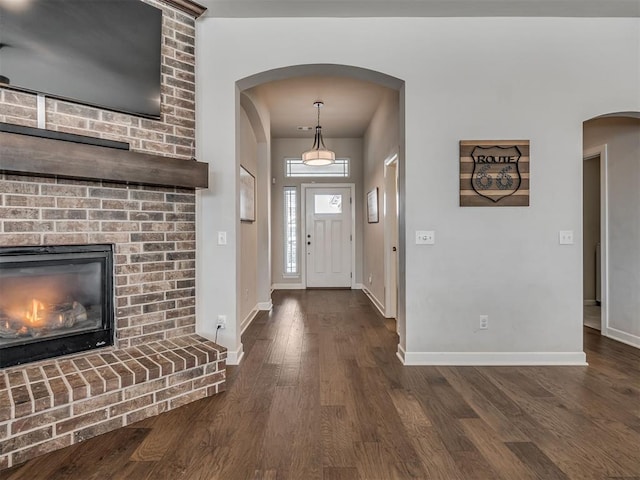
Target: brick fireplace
x,y
153,230
157,362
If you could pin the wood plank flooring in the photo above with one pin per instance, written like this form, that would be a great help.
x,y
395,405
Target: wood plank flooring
x,y
320,394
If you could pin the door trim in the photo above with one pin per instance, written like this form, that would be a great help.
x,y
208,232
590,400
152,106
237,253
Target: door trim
x,y
601,151
303,226
389,236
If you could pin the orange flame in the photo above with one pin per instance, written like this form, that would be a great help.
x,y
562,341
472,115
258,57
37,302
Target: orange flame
x,y
34,315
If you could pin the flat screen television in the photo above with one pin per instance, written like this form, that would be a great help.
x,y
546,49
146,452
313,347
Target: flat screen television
x,y
104,53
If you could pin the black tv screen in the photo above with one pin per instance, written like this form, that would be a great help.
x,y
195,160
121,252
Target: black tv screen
x,y
104,53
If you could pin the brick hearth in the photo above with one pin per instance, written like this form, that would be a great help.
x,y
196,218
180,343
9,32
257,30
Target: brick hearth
x,y
55,403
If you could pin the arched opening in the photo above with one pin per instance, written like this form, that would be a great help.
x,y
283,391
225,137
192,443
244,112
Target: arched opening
x,y
261,97
611,226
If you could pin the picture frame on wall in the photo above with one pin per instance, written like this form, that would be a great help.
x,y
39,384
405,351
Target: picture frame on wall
x,y
494,173
247,196
372,206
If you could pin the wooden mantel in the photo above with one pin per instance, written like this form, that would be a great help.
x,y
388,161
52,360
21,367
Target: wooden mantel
x,y
31,155
188,6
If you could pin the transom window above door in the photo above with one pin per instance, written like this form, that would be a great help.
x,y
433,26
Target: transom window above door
x,y
295,168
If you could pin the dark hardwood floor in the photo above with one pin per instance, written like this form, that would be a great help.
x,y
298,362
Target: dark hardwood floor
x,y
321,395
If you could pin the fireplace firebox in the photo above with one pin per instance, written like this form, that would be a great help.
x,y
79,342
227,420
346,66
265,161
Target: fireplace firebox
x,y
54,300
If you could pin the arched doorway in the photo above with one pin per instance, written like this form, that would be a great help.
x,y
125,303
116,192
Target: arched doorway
x,y
370,239
611,227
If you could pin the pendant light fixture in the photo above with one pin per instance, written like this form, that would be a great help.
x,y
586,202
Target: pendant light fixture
x,y
319,154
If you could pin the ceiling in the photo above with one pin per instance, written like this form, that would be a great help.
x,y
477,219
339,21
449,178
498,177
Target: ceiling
x,y
421,8
349,105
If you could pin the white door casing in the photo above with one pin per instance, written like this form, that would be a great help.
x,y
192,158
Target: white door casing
x,y
601,151
328,236
391,240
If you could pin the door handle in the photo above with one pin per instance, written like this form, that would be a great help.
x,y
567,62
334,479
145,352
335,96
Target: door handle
x,y
394,249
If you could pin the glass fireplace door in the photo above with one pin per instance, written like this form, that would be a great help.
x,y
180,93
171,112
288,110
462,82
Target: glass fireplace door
x,y
54,301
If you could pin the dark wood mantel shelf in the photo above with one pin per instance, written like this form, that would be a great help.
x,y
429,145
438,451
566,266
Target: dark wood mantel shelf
x,y
30,155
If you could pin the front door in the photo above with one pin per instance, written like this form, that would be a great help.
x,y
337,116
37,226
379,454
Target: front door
x,y
328,236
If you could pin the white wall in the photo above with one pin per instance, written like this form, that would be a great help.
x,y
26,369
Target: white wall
x,y
381,140
248,149
219,279
622,137
282,148
465,78
259,116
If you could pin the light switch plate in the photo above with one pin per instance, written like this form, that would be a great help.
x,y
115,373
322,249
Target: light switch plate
x,y
222,238
425,237
566,237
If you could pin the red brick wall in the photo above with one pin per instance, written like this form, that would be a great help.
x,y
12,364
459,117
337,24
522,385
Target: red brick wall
x,y
153,230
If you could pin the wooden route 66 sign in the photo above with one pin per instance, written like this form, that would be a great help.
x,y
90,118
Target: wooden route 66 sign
x,y
494,173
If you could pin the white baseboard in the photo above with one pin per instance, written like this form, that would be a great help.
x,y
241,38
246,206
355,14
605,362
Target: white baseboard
x,y
248,319
590,302
623,337
287,286
300,286
234,358
376,303
264,306
494,358
401,354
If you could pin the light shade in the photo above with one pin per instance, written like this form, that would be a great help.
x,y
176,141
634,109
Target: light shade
x,y
318,157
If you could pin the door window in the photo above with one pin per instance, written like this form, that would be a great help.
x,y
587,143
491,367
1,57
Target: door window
x,y
327,204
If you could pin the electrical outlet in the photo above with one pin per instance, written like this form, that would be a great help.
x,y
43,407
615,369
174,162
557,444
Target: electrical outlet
x,y
566,237
425,237
222,322
484,322
370,279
